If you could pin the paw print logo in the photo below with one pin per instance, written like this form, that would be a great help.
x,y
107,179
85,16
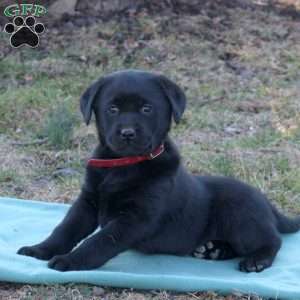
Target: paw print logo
x,y
24,32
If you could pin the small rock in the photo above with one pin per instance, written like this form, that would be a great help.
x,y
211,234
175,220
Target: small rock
x,y
232,130
83,58
41,182
98,291
27,160
66,172
19,189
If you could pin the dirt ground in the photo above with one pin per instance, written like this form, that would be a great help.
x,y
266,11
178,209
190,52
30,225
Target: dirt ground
x,y
239,66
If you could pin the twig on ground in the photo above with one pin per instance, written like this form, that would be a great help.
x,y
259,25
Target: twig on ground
x,y
35,142
211,101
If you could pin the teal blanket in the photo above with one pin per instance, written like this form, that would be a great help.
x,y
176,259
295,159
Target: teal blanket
x,y
25,222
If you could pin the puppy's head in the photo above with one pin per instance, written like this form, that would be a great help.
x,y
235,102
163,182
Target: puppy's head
x,y
133,110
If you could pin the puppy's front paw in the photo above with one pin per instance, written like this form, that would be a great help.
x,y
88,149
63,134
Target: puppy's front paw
x,y
61,263
36,251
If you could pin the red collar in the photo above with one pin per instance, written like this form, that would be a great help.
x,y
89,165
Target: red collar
x,y
124,161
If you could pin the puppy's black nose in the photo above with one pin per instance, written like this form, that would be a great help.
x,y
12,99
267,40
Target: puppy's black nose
x,y
128,133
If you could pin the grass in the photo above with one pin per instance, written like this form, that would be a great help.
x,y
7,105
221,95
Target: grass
x,y
262,139
59,126
8,176
225,64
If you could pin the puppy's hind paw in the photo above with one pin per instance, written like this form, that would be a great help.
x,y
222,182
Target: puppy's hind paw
x,y
215,250
204,251
252,265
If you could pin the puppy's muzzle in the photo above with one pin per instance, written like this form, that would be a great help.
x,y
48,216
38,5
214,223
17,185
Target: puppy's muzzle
x,y
128,134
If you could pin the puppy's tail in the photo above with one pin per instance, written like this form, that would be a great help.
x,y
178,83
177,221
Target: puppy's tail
x,y
286,224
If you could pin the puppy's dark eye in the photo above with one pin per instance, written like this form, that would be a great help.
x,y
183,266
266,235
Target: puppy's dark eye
x,y
113,110
146,109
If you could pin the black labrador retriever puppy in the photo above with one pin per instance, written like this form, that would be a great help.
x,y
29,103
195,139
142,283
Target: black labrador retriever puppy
x,y
137,190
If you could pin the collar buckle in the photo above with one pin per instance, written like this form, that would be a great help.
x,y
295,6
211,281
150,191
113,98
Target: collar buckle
x,y
157,153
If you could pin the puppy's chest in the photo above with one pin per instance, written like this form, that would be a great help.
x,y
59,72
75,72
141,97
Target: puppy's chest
x,y
111,208
108,182
117,191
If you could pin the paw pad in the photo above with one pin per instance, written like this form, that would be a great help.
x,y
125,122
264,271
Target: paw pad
x,y
215,250
24,32
254,265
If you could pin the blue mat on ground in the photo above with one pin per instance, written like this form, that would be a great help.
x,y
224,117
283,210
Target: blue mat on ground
x,y
25,222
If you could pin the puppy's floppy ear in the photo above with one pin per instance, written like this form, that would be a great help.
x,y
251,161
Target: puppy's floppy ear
x,y
175,95
88,97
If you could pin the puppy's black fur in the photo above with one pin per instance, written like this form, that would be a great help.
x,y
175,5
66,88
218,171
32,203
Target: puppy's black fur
x,y
155,206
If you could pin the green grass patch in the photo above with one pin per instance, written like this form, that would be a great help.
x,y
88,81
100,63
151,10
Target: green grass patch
x,y
291,181
261,139
59,126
